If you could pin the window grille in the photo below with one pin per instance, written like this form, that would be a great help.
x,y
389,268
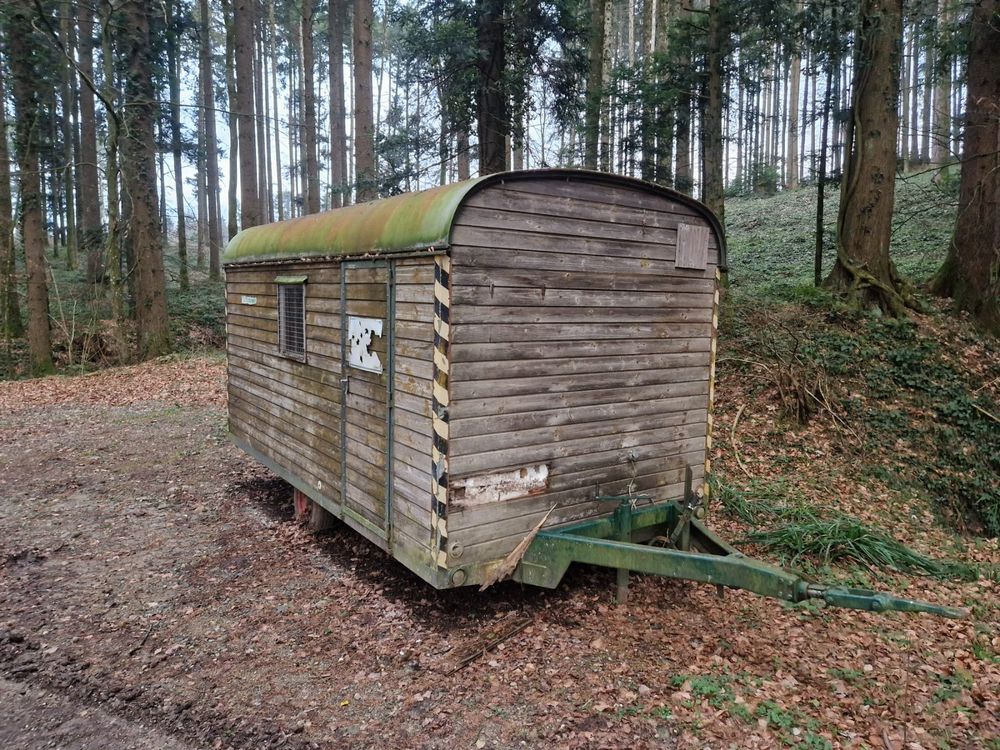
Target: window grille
x,y
292,320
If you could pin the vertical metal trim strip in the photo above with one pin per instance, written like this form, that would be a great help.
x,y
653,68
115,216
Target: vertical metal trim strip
x,y
343,390
390,395
711,380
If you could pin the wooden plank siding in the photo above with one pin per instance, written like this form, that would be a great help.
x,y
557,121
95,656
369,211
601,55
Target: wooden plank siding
x,y
285,409
291,412
576,343
413,388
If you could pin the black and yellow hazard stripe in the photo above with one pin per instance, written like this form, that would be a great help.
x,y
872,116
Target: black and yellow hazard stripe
x,y
439,449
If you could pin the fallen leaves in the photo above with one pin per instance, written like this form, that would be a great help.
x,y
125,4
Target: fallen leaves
x,y
329,639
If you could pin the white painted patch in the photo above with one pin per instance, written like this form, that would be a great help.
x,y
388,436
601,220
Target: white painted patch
x,y
246,299
360,331
507,485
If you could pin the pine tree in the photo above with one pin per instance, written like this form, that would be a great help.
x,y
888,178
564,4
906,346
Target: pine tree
x,y
22,50
971,272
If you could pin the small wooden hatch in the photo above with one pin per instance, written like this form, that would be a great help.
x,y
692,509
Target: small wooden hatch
x,y
466,358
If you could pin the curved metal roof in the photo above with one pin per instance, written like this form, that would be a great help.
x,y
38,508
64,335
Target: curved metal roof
x,y
410,222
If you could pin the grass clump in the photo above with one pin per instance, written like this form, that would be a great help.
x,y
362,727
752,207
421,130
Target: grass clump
x,y
762,502
843,538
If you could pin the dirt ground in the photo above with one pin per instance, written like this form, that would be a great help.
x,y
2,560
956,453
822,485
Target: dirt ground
x,y
155,592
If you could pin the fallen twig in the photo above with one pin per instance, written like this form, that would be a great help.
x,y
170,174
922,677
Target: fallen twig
x,y
135,649
985,413
732,440
488,640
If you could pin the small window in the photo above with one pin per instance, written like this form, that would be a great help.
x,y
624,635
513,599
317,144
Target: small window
x,y
292,317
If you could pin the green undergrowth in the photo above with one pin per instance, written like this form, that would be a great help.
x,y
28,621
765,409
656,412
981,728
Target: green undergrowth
x,y
783,521
912,403
772,239
84,336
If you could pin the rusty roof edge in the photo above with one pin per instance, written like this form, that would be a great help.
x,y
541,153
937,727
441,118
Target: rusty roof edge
x,y
409,223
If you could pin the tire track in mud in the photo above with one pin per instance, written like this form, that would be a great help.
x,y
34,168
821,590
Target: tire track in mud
x,y
45,692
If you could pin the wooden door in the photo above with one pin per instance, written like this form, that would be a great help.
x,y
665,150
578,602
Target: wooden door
x,y
366,336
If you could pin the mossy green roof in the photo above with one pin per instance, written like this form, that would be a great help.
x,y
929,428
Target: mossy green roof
x,y
406,223
400,224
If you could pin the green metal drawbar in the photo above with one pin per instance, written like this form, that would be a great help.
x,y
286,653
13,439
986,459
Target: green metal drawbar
x,y
629,540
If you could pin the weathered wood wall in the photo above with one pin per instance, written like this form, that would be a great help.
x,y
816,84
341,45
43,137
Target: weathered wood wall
x,y
290,411
412,435
577,344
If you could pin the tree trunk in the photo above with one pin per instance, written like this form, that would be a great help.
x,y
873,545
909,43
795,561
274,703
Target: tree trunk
x,y
309,87
971,271
233,107
280,178
462,162
22,51
492,100
338,111
915,98
211,141
863,271
904,103
794,75
294,121
595,83
928,100
139,169
264,205
682,176
713,190
69,157
607,95
665,13
364,135
115,243
91,229
11,324
243,12
201,188
821,178
174,73
264,43
941,137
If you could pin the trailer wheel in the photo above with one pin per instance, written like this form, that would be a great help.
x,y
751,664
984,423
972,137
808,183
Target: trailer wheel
x,y
314,515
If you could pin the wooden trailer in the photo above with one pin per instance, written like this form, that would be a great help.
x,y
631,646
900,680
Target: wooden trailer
x,y
440,369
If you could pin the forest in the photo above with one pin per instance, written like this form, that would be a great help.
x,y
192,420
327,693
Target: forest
x,y
156,589
138,138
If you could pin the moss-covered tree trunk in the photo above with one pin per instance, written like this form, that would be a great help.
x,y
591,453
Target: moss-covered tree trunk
x,y
863,272
971,272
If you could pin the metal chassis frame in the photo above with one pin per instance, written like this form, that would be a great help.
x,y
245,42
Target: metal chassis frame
x,y
616,541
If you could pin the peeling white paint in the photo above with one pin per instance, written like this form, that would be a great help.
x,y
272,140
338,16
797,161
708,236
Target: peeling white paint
x,y
361,331
493,488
